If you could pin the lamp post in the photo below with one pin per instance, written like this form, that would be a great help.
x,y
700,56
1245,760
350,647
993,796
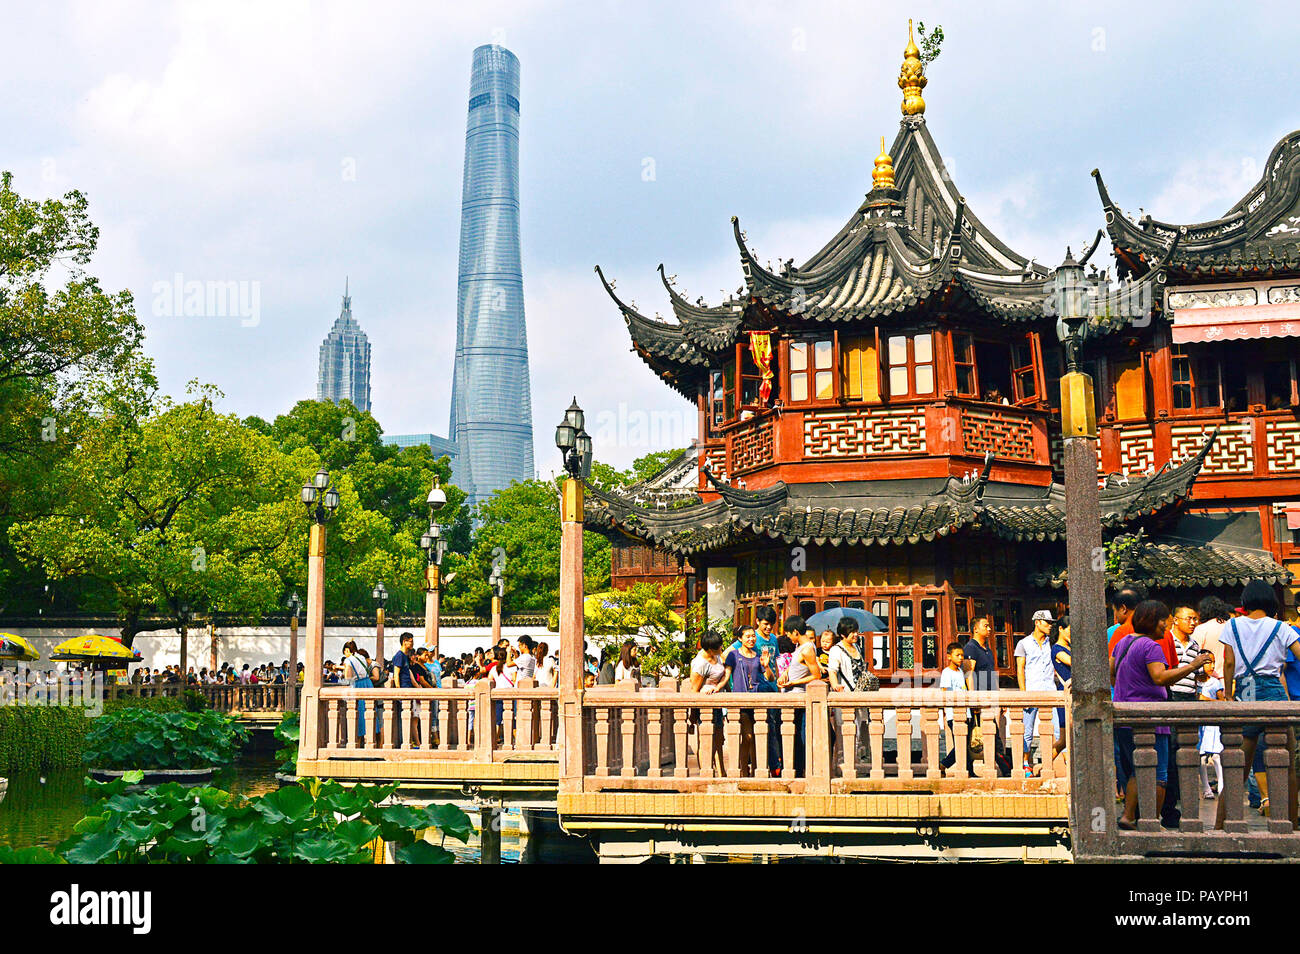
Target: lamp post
x,y
212,641
184,616
497,582
320,500
294,605
574,442
434,547
380,596
1092,771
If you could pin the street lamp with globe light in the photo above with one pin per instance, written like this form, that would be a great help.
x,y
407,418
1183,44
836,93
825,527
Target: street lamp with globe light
x,y
321,501
574,443
434,547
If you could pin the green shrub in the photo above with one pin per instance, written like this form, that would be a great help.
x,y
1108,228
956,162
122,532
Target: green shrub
x,y
296,824
41,738
50,738
137,738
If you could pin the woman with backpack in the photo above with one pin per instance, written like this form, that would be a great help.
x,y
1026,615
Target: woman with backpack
x,y
356,675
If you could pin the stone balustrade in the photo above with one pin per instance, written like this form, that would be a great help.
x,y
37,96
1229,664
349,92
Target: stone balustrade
x,y
1274,836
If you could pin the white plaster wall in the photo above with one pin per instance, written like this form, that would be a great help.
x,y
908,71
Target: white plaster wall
x,y
255,645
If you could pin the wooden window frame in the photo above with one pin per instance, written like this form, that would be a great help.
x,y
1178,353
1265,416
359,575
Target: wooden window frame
x,y
742,354
953,337
811,370
842,377
1177,354
911,364
1114,374
1034,368
716,427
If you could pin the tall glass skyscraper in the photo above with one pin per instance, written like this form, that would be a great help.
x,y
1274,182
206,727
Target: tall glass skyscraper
x,y
491,407
345,361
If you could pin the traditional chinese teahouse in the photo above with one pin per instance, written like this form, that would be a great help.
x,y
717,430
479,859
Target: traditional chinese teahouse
x,y
878,427
1219,354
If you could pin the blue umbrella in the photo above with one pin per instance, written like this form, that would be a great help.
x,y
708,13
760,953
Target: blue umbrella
x,y
828,619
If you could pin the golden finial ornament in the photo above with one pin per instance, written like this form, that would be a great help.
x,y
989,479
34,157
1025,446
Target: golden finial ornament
x,y
911,78
882,176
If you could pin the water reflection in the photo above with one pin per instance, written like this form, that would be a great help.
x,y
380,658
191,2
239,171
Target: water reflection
x,y
42,810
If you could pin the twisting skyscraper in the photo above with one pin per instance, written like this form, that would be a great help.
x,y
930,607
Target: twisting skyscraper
x,y
491,410
344,371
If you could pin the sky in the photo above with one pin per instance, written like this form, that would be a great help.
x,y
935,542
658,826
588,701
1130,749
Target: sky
x,y
287,146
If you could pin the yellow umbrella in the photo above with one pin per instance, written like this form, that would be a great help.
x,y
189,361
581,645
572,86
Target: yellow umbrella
x,y
17,648
94,648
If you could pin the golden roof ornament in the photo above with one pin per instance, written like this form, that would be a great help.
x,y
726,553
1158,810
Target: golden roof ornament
x,y
882,176
911,78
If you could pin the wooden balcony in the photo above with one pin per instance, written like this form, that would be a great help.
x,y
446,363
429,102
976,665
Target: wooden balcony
x,y
1250,446
850,441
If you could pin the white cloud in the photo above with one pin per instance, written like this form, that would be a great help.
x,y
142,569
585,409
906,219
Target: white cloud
x,y
1204,188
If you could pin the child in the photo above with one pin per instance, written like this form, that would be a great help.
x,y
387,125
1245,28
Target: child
x,y
1210,689
953,680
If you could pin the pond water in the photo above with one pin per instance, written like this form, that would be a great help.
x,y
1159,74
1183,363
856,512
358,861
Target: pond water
x,y
42,810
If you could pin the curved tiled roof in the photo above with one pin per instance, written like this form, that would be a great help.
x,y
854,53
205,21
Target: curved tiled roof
x,y
874,275
904,248
709,328
1262,231
884,511
1177,565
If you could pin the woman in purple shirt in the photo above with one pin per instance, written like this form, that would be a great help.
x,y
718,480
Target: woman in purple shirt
x,y
1139,674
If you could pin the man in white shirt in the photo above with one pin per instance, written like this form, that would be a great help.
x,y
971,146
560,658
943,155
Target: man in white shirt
x,y
1035,673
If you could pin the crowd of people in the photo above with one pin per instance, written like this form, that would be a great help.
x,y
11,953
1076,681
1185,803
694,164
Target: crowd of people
x,y
268,673
1211,652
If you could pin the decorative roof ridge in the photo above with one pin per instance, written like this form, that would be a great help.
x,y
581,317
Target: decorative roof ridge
x,y
690,454
1263,203
1116,301
682,306
629,507
748,499
918,270
629,312
846,258
943,183
1171,484
958,489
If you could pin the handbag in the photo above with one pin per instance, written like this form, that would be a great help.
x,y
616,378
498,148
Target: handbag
x,y
976,740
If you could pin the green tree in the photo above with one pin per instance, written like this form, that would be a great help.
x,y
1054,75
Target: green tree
x,y
394,481
182,506
69,351
606,477
522,524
